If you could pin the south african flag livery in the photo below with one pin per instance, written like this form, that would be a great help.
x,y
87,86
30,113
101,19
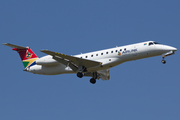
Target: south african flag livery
x,y
28,57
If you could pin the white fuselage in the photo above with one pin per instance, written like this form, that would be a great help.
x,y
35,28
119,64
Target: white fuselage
x,y
108,57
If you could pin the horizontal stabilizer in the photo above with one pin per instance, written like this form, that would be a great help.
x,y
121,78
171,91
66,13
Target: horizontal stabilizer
x,y
14,46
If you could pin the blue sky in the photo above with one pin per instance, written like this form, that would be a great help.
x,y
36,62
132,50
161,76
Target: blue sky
x,y
139,90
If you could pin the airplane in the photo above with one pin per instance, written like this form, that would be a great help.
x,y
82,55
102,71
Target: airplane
x,y
93,64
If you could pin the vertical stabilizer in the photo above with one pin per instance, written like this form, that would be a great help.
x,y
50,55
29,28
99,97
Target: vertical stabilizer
x,y
27,56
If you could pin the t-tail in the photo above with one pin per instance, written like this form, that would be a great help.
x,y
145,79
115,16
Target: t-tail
x,y
27,56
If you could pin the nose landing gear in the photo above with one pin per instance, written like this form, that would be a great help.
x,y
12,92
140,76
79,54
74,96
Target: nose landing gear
x,y
167,54
163,61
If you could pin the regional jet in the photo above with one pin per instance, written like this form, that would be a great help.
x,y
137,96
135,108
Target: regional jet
x,y
93,64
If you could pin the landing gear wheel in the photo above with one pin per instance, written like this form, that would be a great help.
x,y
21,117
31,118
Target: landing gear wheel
x,y
92,80
163,61
79,74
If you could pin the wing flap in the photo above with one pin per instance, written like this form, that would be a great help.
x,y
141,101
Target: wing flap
x,y
78,61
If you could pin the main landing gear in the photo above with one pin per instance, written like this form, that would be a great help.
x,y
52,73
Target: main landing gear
x,y
94,77
92,80
81,69
80,74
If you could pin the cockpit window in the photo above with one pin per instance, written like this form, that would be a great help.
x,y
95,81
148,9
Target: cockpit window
x,y
150,43
156,43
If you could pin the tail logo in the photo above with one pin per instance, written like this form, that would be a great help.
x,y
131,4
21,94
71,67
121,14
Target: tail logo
x,y
28,55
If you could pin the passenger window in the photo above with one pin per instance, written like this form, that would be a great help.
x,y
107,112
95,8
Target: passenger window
x,y
101,53
116,50
120,49
150,43
124,48
106,52
111,51
91,55
96,54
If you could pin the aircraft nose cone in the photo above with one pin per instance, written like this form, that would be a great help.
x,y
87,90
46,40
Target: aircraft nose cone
x,y
169,48
173,49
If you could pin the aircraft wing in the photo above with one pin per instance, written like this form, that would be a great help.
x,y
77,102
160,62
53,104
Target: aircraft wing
x,y
75,60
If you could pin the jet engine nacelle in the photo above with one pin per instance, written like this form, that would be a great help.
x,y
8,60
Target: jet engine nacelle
x,y
47,60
